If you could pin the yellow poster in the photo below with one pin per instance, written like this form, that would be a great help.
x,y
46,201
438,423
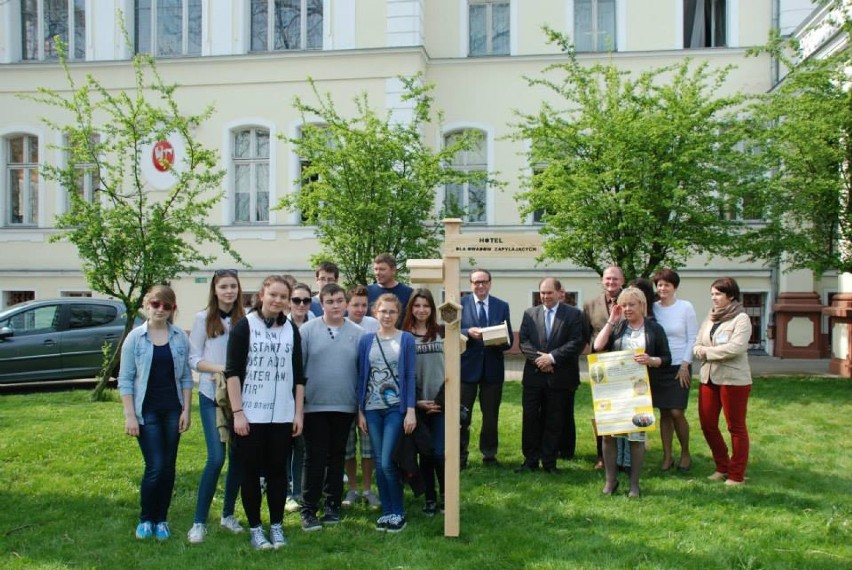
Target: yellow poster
x,y
621,393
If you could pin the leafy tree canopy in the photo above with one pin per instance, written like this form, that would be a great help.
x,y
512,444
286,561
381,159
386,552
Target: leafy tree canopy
x,y
634,169
128,235
368,182
807,146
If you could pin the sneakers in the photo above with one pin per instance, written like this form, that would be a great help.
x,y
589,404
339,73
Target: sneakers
x,y
197,533
276,534
258,539
310,523
396,523
292,505
351,498
430,508
382,523
231,523
331,516
144,530
161,531
372,501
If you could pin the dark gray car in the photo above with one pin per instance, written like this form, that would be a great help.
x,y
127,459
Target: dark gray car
x,y
57,339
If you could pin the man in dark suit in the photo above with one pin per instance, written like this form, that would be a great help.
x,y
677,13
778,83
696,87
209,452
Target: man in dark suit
x,y
482,367
551,338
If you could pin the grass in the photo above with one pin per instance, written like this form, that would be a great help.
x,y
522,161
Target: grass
x,y
69,499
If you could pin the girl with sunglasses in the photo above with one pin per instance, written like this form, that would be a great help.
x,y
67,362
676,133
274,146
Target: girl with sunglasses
x,y
208,345
155,384
300,305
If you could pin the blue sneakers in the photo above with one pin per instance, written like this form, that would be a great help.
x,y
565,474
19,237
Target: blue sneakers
x,y
144,530
162,532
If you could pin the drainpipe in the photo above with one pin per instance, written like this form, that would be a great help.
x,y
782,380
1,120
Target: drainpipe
x,y
775,66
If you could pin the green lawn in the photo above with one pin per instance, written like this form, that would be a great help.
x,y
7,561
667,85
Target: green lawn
x,y
69,499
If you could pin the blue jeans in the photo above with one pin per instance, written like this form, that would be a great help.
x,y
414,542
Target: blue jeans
x,y
385,429
213,467
158,439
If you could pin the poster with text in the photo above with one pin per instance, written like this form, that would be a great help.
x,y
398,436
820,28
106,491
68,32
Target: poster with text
x,y
621,393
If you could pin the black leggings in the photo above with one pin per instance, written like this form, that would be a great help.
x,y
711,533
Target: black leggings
x,y
264,452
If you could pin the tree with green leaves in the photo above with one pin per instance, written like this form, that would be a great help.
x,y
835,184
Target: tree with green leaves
x,y
368,182
637,170
808,151
128,235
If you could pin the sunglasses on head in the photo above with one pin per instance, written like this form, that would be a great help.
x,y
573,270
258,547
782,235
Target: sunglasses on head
x,y
221,272
300,300
159,304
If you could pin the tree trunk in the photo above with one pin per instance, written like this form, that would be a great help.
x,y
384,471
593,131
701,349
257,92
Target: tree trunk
x,y
110,365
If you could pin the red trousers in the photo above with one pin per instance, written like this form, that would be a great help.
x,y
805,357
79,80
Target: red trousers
x,y
734,401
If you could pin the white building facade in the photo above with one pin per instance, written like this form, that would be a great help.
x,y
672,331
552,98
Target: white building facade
x,y
250,58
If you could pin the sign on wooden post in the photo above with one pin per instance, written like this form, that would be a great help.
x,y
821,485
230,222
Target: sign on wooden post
x,y
457,246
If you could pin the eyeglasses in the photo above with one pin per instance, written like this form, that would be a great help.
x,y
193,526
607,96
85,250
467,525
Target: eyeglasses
x,y
300,300
478,283
159,304
221,272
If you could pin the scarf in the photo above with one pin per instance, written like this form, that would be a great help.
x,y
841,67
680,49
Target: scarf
x,y
727,313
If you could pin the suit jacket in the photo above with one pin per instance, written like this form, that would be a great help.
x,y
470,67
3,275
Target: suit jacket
x,y
567,339
479,361
595,315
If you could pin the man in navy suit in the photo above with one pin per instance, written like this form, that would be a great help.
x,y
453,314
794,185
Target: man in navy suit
x,y
482,367
551,338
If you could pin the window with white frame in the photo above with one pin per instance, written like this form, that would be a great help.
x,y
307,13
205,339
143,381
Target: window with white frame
x,y
43,20
704,23
488,23
87,177
468,200
250,157
21,180
594,25
278,25
168,28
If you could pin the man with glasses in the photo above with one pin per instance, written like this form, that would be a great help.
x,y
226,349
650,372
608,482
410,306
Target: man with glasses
x,y
482,368
326,272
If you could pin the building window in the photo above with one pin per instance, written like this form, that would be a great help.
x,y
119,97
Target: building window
x,y
11,298
754,305
286,25
594,25
488,21
43,20
168,27
468,200
87,175
704,23
251,175
21,180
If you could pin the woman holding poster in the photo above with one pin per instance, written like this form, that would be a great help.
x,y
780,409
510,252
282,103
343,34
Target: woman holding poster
x,y
266,387
722,347
628,329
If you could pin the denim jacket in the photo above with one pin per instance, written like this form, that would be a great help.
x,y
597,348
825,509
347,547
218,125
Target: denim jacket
x,y
137,351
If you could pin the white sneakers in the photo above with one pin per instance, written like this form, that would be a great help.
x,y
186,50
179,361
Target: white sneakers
x,y
197,533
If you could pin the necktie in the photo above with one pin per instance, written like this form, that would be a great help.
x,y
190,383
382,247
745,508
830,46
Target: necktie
x,y
548,323
483,320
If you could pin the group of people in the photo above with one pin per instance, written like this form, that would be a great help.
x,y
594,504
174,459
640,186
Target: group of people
x,y
290,389
287,376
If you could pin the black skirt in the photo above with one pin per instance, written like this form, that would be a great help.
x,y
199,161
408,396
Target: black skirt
x,y
666,391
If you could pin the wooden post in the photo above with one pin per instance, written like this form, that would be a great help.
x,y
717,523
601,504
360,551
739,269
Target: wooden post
x,y
452,389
